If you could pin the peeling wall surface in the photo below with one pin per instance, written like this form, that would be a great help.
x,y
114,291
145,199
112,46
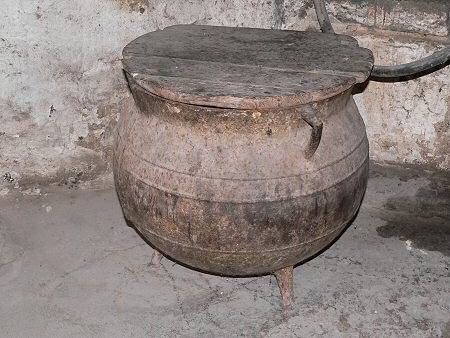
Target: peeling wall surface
x,y
62,86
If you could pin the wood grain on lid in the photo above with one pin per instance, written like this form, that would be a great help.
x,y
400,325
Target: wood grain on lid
x,y
245,68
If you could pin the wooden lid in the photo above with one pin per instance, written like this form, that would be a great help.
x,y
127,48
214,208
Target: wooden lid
x,y
245,68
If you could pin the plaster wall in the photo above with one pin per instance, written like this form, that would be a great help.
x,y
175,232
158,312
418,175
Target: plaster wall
x,y
62,87
407,122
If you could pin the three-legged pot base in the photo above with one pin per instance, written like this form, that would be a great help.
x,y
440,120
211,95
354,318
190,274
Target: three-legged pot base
x,y
285,280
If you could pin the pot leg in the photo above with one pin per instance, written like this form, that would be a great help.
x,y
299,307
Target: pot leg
x,y
156,258
285,279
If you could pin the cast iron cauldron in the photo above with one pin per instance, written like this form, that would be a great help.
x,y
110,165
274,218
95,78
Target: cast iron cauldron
x,y
244,153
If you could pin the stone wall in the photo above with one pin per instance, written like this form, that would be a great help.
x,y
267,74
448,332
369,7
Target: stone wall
x,y
62,86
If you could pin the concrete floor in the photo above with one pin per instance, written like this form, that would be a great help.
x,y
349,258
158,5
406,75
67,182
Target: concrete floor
x,y
70,267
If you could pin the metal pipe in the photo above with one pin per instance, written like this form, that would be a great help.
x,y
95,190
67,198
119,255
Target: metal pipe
x,y
322,16
407,69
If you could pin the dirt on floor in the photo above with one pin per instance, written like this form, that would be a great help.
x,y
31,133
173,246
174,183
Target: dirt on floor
x,y
71,267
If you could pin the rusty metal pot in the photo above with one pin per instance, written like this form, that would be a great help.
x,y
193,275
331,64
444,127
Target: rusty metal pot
x,y
250,173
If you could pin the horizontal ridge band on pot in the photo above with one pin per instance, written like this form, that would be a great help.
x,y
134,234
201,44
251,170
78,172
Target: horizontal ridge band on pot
x,y
245,191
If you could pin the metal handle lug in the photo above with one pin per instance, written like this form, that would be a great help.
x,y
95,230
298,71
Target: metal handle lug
x,y
309,116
